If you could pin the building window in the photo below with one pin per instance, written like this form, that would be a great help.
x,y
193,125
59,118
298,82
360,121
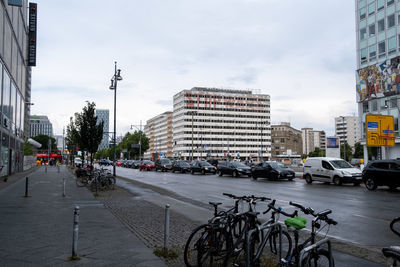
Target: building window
x,y
381,48
390,21
363,13
392,44
371,29
371,8
365,107
363,53
380,4
381,25
389,2
363,33
372,52
374,105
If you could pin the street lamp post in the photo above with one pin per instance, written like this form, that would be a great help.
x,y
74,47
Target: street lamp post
x,y
114,81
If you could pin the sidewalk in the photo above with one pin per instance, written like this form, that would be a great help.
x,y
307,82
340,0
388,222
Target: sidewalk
x,y
37,231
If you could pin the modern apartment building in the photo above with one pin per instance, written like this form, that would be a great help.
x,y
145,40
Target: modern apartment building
x,y
104,115
286,141
15,84
347,128
220,123
378,65
312,139
159,131
40,125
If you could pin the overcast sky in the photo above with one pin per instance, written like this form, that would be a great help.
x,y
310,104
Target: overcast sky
x,y
300,52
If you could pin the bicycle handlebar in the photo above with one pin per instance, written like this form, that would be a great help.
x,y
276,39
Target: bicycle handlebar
x,y
247,198
279,210
323,215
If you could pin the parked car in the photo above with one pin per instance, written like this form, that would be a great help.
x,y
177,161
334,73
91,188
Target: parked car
x,y
203,167
382,172
213,162
180,166
136,164
128,163
272,170
146,165
233,168
163,165
78,162
105,162
330,170
118,163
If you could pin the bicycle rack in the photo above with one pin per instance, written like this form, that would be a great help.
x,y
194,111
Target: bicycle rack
x,y
260,228
306,250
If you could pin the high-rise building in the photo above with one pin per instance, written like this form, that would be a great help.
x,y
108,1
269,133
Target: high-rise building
x,y
159,131
319,139
312,139
15,84
219,123
347,129
378,66
286,140
104,115
40,125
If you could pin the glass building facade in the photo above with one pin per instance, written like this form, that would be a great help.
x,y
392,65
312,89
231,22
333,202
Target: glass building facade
x,y
14,85
378,66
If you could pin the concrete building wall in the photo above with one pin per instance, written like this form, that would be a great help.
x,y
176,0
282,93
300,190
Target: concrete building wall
x,y
159,130
347,129
286,140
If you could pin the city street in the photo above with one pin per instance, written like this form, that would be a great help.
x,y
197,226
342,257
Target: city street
x,y
363,216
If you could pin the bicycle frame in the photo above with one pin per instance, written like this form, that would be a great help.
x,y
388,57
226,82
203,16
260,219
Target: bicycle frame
x,y
306,251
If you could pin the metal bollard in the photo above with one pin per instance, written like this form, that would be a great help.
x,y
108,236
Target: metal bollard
x,y
64,187
75,233
26,186
166,229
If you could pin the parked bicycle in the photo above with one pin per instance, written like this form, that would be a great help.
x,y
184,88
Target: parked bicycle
x,y
393,252
95,179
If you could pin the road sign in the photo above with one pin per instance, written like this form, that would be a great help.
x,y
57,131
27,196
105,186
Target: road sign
x,y
380,130
124,150
135,145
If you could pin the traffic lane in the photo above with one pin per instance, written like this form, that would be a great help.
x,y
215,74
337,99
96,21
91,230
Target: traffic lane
x,y
363,216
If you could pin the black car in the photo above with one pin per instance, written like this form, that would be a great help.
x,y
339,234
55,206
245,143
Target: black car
x,y
203,167
272,170
105,162
180,166
233,168
382,172
135,164
213,162
163,165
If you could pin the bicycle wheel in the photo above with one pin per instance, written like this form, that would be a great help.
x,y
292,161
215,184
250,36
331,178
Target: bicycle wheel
x,y
213,247
274,244
192,245
237,256
318,257
81,181
111,182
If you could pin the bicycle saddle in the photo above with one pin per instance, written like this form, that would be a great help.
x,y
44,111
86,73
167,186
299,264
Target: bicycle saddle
x,y
392,252
296,222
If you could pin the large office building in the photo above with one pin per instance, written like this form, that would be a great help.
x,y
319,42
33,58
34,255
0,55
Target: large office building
x,y
159,131
312,139
15,82
286,142
104,115
40,125
221,123
378,68
347,129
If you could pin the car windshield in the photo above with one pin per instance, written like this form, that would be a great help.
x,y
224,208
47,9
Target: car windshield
x,y
204,164
184,164
340,164
239,164
147,162
165,161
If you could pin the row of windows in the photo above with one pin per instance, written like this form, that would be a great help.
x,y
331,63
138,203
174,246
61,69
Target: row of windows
x,y
226,103
189,152
189,144
223,121
222,115
381,26
224,109
223,127
390,46
372,7
222,133
196,138
225,97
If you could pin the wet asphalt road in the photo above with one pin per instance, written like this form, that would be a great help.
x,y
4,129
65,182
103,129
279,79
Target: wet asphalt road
x,y
363,216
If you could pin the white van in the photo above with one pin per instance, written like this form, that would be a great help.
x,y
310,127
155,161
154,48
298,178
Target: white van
x,y
330,170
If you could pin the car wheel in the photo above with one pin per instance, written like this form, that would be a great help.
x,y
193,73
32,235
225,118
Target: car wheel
x,y
203,172
370,184
308,179
235,174
219,173
337,181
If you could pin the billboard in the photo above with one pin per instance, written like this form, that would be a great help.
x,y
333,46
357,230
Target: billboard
x,y
379,80
333,147
380,130
32,34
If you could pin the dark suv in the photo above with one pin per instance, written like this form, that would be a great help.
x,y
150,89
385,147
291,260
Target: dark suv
x,y
163,165
382,172
203,167
233,168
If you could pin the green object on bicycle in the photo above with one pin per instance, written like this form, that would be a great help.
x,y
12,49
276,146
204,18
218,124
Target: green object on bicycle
x,y
296,222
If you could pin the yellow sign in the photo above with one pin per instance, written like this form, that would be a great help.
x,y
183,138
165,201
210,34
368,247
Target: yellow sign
x,y
380,130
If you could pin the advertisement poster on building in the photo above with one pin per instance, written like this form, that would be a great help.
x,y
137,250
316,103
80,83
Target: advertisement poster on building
x,y
333,147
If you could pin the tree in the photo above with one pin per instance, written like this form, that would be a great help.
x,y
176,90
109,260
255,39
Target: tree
x,y
72,138
348,154
318,152
358,151
134,139
44,140
28,150
90,133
